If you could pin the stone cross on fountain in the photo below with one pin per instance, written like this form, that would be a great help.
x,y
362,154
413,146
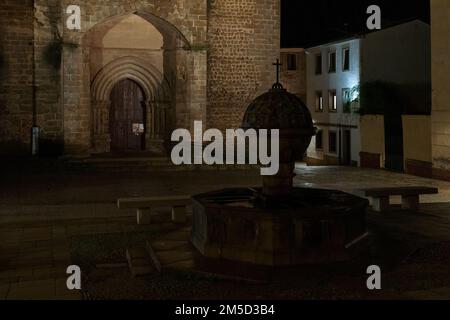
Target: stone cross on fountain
x,y
278,65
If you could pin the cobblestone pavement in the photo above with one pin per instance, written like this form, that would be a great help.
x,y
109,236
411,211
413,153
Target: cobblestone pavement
x,y
42,208
33,262
35,255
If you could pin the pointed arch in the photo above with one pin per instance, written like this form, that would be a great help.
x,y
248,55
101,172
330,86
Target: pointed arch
x,y
155,85
165,16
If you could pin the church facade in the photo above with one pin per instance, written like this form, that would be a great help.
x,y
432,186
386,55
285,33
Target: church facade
x,y
134,72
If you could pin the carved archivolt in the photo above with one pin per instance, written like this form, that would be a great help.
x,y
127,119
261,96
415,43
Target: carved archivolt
x,y
152,81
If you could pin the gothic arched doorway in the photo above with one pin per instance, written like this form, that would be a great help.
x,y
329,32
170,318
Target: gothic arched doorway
x,y
153,55
127,117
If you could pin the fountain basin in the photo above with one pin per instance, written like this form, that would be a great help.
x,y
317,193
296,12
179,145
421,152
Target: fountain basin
x,y
308,226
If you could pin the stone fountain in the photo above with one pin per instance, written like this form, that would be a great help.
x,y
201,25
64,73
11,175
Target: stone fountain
x,y
280,225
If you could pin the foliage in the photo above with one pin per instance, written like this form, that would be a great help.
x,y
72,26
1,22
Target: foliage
x,y
352,104
210,4
386,98
199,47
378,98
53,52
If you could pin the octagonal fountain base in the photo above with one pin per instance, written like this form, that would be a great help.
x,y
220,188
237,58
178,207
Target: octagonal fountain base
x,y
309,226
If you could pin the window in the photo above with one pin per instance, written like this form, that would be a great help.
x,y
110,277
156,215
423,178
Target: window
x,y
346,100
318,64
319,140
332,101
319,101
332,61
332,142
346,59
292,62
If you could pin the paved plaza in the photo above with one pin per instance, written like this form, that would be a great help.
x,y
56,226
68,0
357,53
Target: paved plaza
x,y
52,217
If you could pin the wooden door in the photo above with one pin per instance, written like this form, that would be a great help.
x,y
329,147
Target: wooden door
x,y
127,115
347,148
393,130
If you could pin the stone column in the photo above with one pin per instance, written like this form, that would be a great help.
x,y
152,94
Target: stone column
x,y
162,123
101,132
198,87
154,140
149,121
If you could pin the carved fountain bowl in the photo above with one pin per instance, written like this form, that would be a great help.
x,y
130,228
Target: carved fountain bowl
x,y
307,227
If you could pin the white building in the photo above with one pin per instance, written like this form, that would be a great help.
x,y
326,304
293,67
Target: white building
x,y
397,54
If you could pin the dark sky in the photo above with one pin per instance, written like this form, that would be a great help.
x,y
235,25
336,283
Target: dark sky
x,y
307,23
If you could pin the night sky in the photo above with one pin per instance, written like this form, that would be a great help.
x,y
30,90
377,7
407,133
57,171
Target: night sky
x,y
307,23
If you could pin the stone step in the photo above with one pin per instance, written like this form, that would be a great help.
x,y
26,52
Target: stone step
x,y
182,265
171,255
179,235
139,262
168,245
146,164
124,165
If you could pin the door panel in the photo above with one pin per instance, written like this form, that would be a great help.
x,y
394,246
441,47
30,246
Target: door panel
x,y
393,126
347,148
127,112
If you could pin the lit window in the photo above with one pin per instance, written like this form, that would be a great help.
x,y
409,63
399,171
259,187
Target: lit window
x,y
318,64
292,62
319,101
332,61
332,100
346,59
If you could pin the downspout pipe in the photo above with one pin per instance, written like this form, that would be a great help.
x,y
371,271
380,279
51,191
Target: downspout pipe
x,y
35,130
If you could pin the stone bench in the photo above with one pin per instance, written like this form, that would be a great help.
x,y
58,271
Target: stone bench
x,y
144,207
380,197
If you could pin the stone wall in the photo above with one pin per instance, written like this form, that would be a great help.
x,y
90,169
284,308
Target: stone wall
x,y
130,35
294,81
16,82
48,45
440,33
417,145
244,41
417,137
373,154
